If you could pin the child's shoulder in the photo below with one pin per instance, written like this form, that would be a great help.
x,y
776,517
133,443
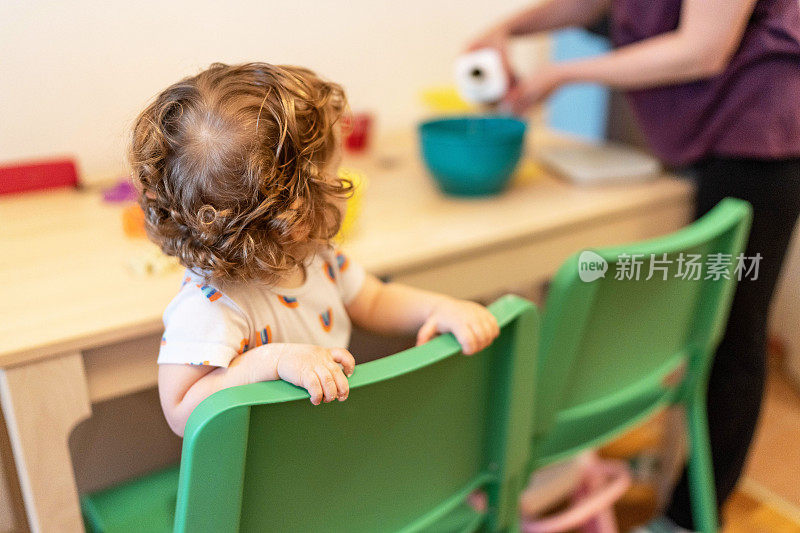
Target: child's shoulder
x,y
196,290
335,261
348,276
333,255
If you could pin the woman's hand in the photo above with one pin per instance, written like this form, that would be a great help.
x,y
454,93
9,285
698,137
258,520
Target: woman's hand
x,y
522,94
473,325
321,371
532,90
497,39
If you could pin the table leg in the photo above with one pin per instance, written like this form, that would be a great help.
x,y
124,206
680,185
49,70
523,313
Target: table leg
x,y
42,402
12,511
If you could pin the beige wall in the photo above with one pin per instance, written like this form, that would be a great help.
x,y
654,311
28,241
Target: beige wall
x,y
74,74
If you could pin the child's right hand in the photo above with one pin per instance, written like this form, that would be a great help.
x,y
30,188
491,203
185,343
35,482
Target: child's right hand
x,y
323,372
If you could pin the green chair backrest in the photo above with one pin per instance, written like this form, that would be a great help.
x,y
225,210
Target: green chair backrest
x,y
614,350
420,430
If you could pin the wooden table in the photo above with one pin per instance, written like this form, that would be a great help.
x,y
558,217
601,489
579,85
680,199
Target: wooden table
x,y
75,312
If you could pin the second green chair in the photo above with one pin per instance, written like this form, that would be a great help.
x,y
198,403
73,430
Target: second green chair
x,y
614,349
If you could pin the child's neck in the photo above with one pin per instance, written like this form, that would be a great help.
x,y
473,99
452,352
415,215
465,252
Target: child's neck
x,y
293,279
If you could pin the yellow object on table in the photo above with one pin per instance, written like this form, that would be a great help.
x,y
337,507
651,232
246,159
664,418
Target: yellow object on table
x,y
528,171
152,262
353,210
446,100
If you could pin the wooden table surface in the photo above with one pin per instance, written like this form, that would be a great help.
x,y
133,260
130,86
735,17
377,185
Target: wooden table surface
x,y
65,258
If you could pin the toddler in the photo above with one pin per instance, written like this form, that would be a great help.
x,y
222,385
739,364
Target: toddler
x,y
237,173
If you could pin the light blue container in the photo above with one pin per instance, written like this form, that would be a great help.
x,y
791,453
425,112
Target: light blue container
x,y
579,109
472,155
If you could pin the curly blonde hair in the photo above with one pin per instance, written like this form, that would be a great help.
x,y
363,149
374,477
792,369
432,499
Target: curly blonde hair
x,y
230,165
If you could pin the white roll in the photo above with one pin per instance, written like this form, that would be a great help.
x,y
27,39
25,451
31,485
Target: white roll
x,y
480,76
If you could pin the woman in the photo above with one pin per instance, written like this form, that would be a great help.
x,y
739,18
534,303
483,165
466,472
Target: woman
x,y
714,85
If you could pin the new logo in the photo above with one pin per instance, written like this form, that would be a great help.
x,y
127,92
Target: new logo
x,y
591,266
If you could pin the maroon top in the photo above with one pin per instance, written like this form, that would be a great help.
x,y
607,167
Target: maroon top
x,y
751,110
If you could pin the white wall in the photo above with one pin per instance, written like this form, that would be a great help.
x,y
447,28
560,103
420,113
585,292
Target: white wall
x,y
73,74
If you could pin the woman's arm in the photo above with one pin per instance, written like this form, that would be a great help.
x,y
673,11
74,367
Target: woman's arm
x,y
554,14
321,371
707,37
392,308
544,16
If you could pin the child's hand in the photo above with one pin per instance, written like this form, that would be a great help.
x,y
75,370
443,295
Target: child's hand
x,y
321,371
473,325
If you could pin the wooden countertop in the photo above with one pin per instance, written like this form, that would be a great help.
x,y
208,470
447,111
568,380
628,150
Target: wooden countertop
x,y
65,259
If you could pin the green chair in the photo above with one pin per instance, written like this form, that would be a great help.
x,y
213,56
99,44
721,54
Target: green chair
x,y
613,351
420,431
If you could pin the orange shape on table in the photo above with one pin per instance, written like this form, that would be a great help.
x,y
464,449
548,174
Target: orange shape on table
x,y
133,221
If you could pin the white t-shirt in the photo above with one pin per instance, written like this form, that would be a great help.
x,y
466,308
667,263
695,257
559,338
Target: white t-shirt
x,y
204,325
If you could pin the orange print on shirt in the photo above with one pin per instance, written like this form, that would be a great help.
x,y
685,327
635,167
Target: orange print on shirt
x,y
329,273
326,319
210,292
264,336
243,346
288,301
341,261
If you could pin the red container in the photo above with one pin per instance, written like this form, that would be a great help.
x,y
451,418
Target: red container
x,y
38,175
356,130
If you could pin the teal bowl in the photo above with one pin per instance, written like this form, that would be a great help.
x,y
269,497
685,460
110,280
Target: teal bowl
x,y
472,155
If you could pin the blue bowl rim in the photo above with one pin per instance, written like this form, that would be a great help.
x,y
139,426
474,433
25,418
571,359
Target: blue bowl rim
x,y
503,138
